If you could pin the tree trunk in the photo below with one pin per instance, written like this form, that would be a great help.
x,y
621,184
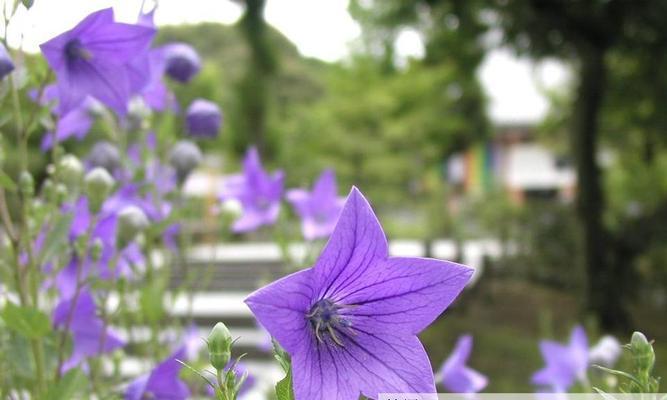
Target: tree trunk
x,y
603,283
255,85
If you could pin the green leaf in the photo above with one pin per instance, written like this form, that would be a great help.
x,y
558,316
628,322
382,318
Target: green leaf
x,y
55,238
72,383
150,301
284,390
26,321
6,182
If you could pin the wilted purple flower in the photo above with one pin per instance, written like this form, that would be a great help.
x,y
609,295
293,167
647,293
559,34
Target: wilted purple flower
x,y
350,322
182,61
203,119
456,376
565,363
90,337
6,63
258,192
318,209
76,123
163,382
93,59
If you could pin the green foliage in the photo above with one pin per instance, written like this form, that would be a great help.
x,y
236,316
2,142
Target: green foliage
x,y
70,385
26,321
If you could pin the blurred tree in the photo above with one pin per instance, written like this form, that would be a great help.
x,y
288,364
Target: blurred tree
x,y
254,89
591,34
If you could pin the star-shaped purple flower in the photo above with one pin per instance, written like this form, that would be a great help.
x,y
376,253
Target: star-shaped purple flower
x,y
94,59
89,335
319,209
565,363
456,376
163,382
258,192
350,322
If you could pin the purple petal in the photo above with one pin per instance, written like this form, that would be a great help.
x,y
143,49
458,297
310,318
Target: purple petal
x,y
282,314
357,243
370,363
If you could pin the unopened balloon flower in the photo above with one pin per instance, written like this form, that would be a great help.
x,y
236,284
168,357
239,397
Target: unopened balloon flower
x,y
350,322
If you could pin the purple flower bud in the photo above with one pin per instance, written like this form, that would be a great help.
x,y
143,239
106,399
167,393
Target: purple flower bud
x,y
6,64
203,119
104,155
182,62
184,157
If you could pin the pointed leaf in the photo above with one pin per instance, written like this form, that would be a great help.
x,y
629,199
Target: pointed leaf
x,y
26,321
72,383
284,390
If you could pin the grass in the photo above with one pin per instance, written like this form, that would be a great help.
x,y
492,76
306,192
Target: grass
x,y
507,318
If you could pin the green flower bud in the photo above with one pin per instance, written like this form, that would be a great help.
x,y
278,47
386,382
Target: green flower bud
x,y
48,189
98,185
642,352
70,171
131,222
62,193
96,249
26,184
219,346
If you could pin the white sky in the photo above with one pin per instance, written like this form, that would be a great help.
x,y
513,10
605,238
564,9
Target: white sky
x,y
321,29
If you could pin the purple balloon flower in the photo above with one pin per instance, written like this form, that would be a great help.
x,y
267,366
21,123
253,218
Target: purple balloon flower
x,y
94,59
258,192
162,382
456,376
350,322
565,363
318,209
203,119
76,123
182,61
90,337
6,63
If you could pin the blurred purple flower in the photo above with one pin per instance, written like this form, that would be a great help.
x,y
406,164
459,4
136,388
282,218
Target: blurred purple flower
x,y
203,119
258,192
76,123
89,335
94,59
565,363
182,61
162,382
6,63
350,322
318,209
456,376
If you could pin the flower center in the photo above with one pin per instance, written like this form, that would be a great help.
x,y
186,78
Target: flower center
x,y
326,320
75,51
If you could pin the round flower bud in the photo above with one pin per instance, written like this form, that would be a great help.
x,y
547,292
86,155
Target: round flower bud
x,y
203,119
131,222
219,346
70,171
26,184
138,114
105,155
642,352
6,63
98,185
185,156
182,62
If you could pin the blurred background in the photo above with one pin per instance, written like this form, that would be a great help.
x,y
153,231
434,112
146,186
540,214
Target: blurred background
x,y
525,137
